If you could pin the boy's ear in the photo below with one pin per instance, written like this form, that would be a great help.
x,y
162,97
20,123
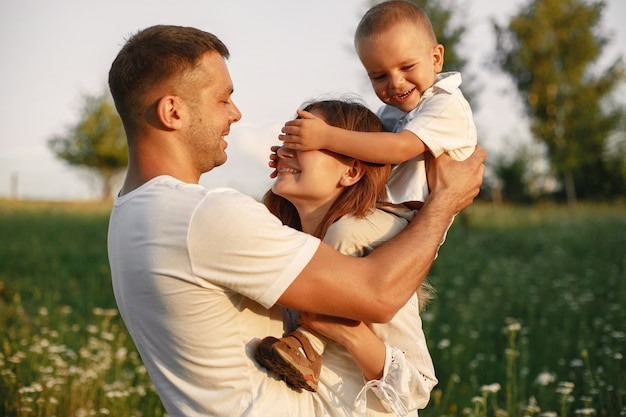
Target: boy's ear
x,y
168,111
438,58
352,174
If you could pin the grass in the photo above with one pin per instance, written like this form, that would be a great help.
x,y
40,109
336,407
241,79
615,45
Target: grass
x,y
64,350
559,277
528,319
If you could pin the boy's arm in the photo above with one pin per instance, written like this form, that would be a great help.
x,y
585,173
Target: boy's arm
x,y
310,132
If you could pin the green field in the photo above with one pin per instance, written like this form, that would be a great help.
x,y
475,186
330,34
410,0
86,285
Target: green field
x,y
529,316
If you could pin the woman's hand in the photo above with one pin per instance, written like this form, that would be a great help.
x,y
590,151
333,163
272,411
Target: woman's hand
x,y
336,328
273,159
367,350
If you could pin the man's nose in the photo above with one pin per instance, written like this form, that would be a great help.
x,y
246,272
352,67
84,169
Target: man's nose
x,y
234,115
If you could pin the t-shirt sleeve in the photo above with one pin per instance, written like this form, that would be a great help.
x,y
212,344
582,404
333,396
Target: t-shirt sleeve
x,y
236,243
445,124
359,236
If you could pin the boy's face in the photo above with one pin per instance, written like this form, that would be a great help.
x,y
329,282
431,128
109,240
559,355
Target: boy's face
x,y
401,64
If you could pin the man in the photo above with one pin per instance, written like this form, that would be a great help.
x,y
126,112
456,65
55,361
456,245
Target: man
x,y
198,273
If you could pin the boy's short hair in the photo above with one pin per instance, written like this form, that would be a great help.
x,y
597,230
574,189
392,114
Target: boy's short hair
x,y
388,13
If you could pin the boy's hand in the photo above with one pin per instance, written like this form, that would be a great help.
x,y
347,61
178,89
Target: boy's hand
x,y
306,133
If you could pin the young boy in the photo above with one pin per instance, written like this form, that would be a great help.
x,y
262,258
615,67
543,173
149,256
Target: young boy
x,y
426,110
426,115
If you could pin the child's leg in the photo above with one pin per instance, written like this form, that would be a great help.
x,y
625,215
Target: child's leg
x,y
292,322
317,340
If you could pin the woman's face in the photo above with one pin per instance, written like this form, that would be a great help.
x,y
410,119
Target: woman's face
x,y
310,180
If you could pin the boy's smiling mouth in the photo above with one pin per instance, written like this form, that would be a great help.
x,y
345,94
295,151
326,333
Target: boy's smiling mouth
x,y
403,96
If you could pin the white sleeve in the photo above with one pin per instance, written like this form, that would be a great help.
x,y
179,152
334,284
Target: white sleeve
x,y
400,386
236,243
445,124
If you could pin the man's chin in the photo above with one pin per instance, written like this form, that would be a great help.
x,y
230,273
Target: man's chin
x,y
221,161
216,163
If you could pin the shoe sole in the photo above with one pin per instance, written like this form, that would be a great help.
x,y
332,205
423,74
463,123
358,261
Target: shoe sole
x,y
294,375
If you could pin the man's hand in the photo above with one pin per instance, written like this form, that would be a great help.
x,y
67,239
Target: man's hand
x,y
306,133
456,182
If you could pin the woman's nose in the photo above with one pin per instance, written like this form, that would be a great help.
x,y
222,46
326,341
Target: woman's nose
x,y
284,152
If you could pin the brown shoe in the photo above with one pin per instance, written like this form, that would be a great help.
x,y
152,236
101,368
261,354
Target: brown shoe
x,y
293,358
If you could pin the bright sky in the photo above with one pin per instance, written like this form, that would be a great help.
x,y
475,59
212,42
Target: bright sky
x,y
283,52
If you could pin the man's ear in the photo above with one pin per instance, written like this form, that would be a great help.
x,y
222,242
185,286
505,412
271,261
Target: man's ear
x,y
352,174
168,111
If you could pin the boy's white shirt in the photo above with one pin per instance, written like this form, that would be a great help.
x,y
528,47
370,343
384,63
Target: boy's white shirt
x,y
443,120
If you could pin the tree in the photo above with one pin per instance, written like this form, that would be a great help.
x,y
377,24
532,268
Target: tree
x,y
96,142
511,170
549,49
448,34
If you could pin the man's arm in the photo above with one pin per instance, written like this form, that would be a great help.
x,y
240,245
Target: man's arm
x,y
375,287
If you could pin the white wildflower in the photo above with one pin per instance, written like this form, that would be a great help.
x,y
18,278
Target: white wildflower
x,y
443,344
513,327
491,388
120,353
576,363
545,378
585,412
565,388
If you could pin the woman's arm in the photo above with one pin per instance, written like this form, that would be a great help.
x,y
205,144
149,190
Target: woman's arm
x,y
397,379
367,350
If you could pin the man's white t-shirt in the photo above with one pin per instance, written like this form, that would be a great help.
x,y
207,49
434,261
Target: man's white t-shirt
x,y
196,274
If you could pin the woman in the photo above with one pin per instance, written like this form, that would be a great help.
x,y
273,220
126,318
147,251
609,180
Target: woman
x,y
334,197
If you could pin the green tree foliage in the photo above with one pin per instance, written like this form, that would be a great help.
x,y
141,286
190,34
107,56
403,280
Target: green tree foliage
x,y
448,33
511,170
96,142
551,49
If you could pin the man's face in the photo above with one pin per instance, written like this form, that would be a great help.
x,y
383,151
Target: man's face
x,y
212,111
